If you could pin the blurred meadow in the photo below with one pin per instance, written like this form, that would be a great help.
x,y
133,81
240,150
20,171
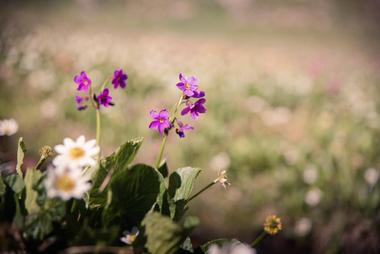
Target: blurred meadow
x,y
293,103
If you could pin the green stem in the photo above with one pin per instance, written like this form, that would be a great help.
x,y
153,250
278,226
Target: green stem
x,y
202,190
161,151
164,139
40,162
258,239
98,127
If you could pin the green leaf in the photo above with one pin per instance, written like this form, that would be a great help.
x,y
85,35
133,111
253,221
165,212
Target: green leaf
x,y
32,176
40,224
125,154
163,235
190,223
134,192
21,150
164,169
2,187
181,182
15,182
117,161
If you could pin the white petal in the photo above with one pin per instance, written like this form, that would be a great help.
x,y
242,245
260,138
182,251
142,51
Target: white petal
x,y
81,140
60,148
68,142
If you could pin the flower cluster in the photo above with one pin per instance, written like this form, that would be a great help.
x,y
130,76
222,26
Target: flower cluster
x,y
103,98
67,179
193,100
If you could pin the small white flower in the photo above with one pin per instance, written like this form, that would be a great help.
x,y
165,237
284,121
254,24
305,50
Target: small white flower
x,y
77,153
130,237
234,248
310,175
371,176
8,127
65,183
303,226
313,197
222,179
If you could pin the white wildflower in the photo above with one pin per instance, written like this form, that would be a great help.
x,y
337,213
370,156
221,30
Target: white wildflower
x,y
8,127
130,237
313,197
310,175
371,176
303,226
237,248
65,183
222,179
77,153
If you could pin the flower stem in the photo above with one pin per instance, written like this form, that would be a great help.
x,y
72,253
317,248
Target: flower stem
x,y
258,239
161,152
163,143
98,127
202,190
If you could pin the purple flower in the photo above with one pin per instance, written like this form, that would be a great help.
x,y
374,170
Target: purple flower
x,y
160,120
80,100
187,85
119,79
194,108
104,98
198,94
83,81
182,128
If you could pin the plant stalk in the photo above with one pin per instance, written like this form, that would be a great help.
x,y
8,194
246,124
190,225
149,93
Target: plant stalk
x,y
164,139
258,239
202,190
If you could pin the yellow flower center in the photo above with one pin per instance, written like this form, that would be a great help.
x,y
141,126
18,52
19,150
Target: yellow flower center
x,y
161,120
187,85
132,238
76,152
64,183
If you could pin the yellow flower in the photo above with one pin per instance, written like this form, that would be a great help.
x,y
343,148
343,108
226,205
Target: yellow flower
x,y
272,224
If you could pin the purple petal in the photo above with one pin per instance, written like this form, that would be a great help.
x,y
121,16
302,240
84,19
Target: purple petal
x,y
164,114
185,111
200,101
154,125
154,114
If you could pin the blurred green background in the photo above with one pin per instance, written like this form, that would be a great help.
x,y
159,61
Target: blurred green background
x,y
293,101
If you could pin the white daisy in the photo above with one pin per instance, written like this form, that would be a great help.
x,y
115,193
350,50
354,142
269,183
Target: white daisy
x,y
8,127
130,237
65,183
77,153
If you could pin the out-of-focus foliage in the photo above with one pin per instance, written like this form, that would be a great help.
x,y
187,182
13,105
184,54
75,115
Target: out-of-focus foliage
x,y
293,103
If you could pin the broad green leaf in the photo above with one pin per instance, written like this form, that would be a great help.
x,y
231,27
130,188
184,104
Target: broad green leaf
x,y
163,169
181,182
163,235
118,160
134,192
31,178
40,224
15,182
21,150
